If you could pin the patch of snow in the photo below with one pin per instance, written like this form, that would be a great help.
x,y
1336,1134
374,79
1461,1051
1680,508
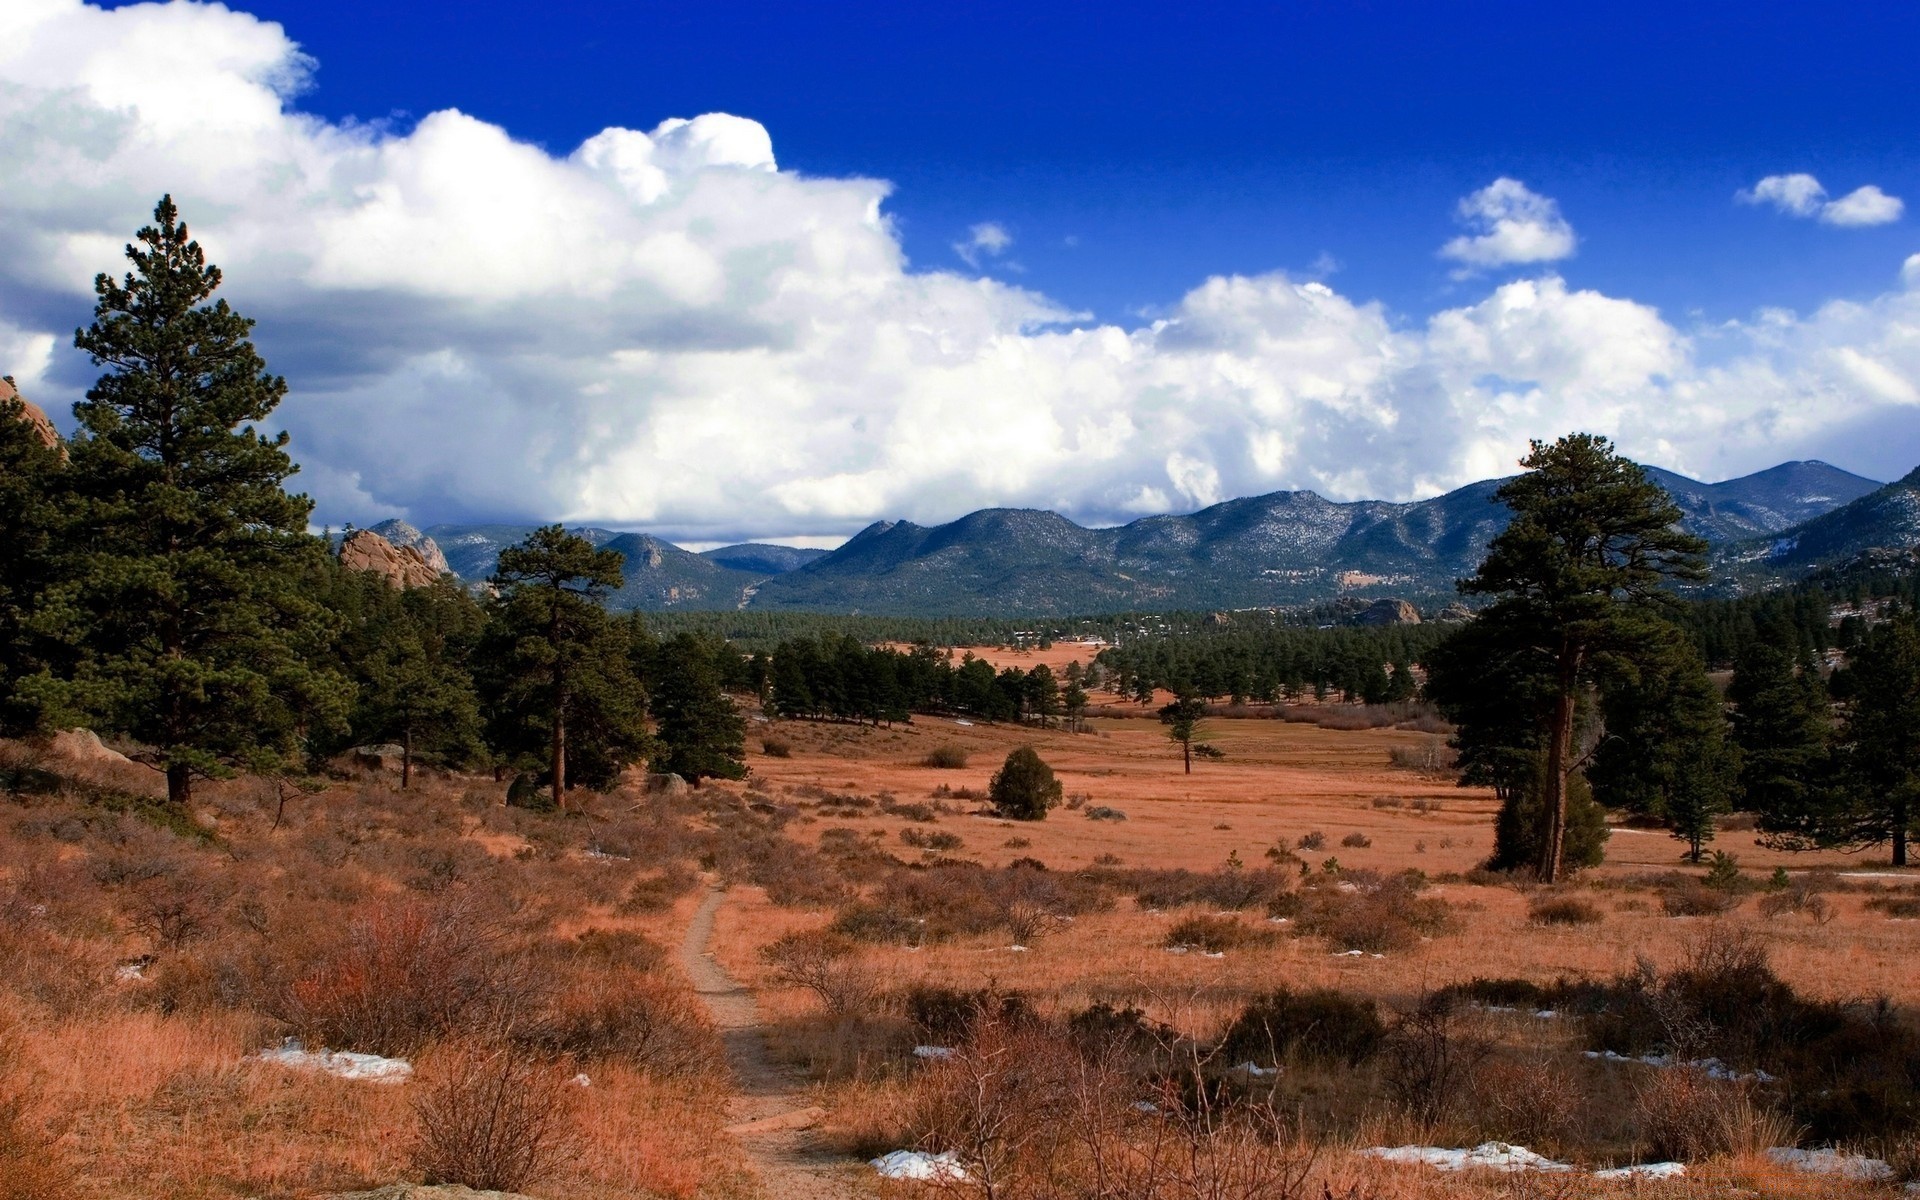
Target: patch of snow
x,y
344,1063
935,1052
919,1165
1146,1106
1255,1070
1017,949
1348,953
1545,1014
1829,1161
1176,949
1489,1156
1279,920
1712,1067
956,721
581,1080
1213,953
1659,1170
130,972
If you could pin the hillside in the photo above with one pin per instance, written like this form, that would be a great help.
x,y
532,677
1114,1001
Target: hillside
x,y
1885,519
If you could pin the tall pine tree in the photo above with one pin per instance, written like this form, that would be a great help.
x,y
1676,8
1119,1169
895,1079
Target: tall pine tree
x,y
185,590
33,521
701,733
1782,726
1577,577
556,669
1667,751
1876,797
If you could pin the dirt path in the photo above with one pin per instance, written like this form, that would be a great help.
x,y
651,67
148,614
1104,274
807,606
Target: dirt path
x,y
769,1110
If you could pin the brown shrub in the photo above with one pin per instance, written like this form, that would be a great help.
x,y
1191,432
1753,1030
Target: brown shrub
x,y
1563,910
1431,1054
1697,900
399,976
641,1019
1356,841
827,964
1364,912
1530,1101
946,758
493,1119
1684,1115
1216,934
776,748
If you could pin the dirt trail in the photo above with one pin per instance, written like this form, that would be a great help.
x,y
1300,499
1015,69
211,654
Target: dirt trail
x,y
769,1110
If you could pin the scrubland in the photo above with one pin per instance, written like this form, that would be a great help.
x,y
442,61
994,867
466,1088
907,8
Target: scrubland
x,y
1224,984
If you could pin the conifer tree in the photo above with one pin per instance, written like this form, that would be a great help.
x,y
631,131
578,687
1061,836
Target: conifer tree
x,y
1667,751
1024,787
1781,724
701,733
556,667
1577,577
1182,719
33,519
1875,796
185,596
1073,698
418,686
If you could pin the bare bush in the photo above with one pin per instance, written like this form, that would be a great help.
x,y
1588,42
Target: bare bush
x,y
1216,934
945,758
637,1018
1563,910
1431,758
1697,900
1683,1114
776,747
826,964
401,975
1356,841
492,1119
1431,1054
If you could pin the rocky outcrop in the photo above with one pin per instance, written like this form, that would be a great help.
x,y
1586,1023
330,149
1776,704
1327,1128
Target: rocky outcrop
x,y
401,566
85,746
1454,612
32,413
404,535
1386,611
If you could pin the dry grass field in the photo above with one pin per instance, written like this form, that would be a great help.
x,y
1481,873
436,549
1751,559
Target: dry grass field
x,y
873,905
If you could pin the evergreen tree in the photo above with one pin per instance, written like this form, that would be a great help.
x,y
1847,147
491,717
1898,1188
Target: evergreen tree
x,y
33,521
1074,700
1782,726
701,733
185,594
1043,694
1876,797
1024,787
557,668
1577,575
1182,719
1667,752
417,686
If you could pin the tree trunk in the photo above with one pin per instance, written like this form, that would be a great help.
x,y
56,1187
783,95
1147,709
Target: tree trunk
x,y
1559,753
559,760
1186,754
179,785
406,758
1900,837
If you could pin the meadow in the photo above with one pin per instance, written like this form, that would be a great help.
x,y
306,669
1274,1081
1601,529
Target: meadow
x,y
1229,983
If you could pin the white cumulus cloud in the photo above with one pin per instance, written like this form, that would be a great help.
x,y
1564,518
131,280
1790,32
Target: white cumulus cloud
x,y
1802,195
1509,224
662,328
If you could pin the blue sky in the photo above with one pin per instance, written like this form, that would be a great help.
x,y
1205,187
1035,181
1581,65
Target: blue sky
x,y
730,271
1132,149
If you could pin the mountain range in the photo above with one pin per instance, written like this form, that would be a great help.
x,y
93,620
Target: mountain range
x,y
1278,549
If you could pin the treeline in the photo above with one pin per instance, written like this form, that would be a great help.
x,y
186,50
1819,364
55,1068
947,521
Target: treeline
x,y
1274,662
838,677
158,582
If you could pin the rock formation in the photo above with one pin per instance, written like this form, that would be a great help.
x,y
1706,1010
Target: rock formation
x,y
1387,611
401,566
32,415
404,535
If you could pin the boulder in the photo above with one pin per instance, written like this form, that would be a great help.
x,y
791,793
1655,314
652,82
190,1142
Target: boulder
x,y
667,785
84,745
401,566
31,414
1386,611
386,754
1454,613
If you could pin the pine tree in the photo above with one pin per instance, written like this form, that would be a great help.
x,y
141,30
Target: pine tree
x,y
556,668
1782,726
1074,700
1667,751
701,733
33,521
186,597
1578,575
1877,798
1024,787
1182,719
417,686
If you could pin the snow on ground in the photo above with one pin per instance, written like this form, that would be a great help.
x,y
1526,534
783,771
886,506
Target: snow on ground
x,y
934,1052
344,1063
1499,1156
918,1164
1713,1067
1659,1170
1829,1161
